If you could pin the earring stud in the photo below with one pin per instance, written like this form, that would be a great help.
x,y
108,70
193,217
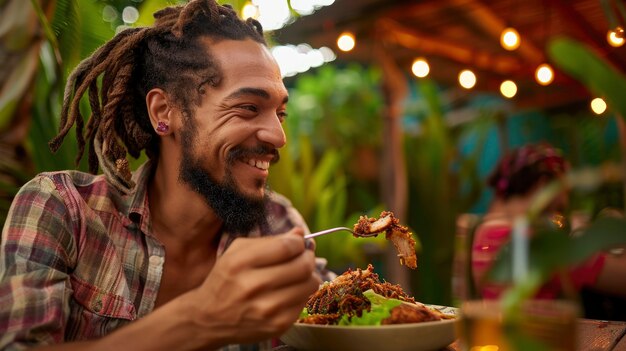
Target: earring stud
x,y
162,127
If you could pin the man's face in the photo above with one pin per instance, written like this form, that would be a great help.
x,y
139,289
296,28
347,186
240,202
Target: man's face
x,y
235,134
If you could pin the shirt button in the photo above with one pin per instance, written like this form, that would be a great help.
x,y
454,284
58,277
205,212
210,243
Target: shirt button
x,y
155,260
97,305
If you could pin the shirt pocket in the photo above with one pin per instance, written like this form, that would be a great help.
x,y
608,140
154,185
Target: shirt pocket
x,y
100,302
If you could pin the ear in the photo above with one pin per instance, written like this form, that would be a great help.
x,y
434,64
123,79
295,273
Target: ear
x,y
159,110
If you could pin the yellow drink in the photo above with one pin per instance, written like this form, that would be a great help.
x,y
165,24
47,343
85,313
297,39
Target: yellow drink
x,y
481,327
552,324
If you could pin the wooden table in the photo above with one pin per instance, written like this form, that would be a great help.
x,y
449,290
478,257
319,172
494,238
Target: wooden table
x,y
601,335
593,335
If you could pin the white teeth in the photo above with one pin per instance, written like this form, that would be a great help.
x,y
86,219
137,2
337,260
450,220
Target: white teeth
x,y
264,165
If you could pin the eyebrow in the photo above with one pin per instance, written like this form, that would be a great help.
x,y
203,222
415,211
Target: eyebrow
x,y
252,91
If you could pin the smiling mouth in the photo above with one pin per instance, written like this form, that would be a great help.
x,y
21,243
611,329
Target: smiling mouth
x,y
262,165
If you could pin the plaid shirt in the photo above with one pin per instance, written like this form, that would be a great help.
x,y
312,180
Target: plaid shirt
x,y
78,258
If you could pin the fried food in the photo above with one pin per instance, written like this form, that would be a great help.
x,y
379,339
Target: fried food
x,y
343,297
399,235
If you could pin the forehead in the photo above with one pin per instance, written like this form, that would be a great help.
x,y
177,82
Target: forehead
x,y
246,63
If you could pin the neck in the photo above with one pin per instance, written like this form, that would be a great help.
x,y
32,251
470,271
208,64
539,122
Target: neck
x,y
510,208
178,213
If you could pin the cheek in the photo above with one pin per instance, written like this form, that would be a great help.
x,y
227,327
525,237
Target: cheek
x,y
212,143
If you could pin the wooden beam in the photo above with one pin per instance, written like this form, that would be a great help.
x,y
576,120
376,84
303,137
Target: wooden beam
x,y
544,99
493,24
392,31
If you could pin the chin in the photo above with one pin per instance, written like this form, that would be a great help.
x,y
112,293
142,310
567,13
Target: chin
x,y
256,192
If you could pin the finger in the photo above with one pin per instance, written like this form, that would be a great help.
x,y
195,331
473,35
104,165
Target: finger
x,y
282,307
271,250
275,277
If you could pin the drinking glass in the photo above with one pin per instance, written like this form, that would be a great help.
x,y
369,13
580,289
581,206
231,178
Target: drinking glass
x,y
536,325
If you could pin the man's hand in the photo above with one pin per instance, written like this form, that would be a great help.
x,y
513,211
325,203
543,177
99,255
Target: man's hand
x,y
255,291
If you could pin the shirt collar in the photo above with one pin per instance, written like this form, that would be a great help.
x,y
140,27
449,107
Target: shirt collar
x,y
139,210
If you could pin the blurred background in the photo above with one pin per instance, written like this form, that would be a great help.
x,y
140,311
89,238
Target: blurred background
x,y
394,105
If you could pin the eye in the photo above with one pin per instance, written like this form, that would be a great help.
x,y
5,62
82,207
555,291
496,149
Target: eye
x,y
251,108
282,115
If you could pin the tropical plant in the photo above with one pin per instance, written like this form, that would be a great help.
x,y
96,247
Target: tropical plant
x,y
599,77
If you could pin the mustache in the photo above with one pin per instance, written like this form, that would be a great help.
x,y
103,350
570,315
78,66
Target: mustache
x,y
240,152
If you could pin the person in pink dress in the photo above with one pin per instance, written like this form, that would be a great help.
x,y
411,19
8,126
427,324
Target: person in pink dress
x,y
517,178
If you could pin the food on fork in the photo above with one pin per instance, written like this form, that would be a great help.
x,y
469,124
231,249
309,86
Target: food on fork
x,y
399,235
360,298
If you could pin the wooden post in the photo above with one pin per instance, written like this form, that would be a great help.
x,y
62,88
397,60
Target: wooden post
x,y
393,166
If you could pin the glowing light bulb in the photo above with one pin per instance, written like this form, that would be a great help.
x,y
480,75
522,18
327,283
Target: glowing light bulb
x,y
510,39
346,41
544,74
508,88
615,37
420,68
598,106
467,79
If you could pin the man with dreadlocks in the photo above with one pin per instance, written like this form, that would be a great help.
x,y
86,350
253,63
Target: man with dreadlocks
x,y
191,251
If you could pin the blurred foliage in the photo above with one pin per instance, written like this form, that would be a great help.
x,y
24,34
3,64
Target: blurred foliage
x,y
602,80
553,250
590,69
341,107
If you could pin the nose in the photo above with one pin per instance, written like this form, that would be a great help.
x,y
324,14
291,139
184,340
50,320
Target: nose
x,y
272,132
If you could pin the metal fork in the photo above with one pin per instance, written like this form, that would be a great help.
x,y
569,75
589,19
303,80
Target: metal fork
x,y
337,229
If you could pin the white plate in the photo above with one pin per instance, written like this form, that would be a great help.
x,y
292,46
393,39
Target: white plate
x,y
426,336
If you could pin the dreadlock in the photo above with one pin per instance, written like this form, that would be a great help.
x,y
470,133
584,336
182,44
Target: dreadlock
x,y
167,55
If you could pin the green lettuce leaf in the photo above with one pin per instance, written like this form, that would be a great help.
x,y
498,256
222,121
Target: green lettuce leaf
x,y
381,309
304,313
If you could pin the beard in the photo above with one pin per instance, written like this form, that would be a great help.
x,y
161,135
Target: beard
x,y
239,212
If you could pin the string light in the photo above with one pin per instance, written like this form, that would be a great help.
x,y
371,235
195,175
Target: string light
x,y
544,74
615,37
467,79
346,41
508,88
420,67
249,11
510,39
598,106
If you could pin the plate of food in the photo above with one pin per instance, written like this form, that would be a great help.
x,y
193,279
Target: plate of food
x,y
357,311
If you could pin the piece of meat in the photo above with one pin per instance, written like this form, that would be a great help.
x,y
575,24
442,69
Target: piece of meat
x,y
399,235
405,245
411,313
367,225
